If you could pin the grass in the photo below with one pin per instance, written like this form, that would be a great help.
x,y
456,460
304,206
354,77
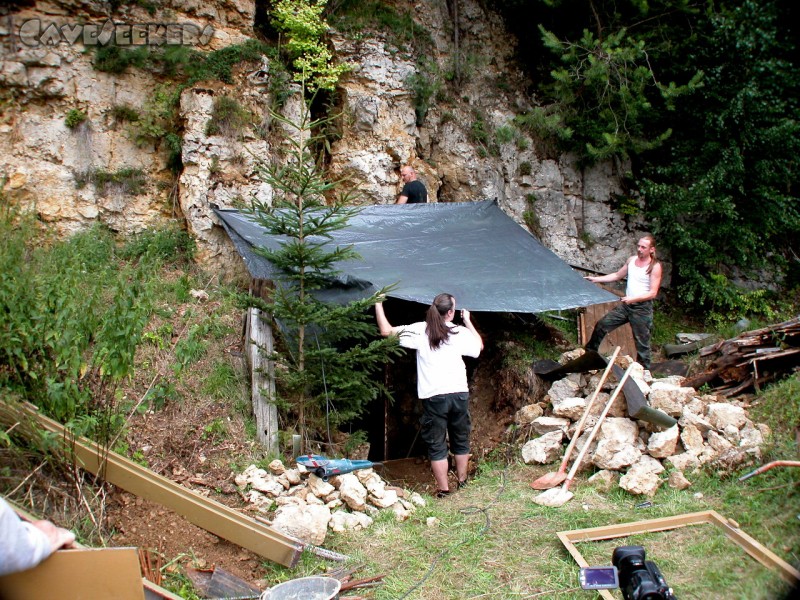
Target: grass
x,y
493,541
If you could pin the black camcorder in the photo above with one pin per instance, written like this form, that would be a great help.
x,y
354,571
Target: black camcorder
x,y
639,579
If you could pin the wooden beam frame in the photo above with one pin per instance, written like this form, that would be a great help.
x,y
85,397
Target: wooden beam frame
x,y
208,514
729,527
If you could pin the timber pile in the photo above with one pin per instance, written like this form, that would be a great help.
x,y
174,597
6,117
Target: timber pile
x,y
750,359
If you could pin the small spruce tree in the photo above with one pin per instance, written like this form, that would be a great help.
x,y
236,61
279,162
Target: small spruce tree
x,y
328,355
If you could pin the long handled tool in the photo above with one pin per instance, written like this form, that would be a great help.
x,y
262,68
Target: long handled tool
x,y
562,495
551,480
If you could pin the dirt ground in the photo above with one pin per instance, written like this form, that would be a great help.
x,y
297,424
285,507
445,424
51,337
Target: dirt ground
x,y
199,441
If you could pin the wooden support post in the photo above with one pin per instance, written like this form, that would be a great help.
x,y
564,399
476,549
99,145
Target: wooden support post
x,y
260,344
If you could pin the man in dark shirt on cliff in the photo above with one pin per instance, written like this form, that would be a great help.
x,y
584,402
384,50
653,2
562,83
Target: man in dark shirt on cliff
x,y
413,191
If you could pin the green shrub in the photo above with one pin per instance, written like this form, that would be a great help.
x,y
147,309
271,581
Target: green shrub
x,y
169,244
114,59
228,118
74,118
124,113
71,320
424,84
504,134
525,169
126,180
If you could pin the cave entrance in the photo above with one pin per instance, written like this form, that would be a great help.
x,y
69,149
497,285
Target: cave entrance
x,y
393,427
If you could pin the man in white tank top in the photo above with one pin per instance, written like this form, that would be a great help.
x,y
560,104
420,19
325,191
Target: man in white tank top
x,y
643,273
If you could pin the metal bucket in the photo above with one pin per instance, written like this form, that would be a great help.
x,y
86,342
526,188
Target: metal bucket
x,y
305,588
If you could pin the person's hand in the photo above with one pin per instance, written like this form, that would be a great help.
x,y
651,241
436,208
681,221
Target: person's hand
x,y
591,278
58,536
465,315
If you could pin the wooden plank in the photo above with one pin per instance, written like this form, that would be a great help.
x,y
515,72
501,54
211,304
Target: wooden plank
x,y
731,529
622,336
99,574
260,344
199,510
152,591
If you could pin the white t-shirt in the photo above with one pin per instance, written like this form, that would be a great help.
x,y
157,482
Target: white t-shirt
x,y
638,280
22,546
440,371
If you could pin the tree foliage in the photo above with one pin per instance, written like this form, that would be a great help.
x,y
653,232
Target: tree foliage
x,y
725,197
329,355
305,27
702,97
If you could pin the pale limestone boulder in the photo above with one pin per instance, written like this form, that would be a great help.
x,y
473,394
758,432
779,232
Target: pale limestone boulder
x,y
615,454
307,523
544,449
376,487
293,476
388,498
401,513
663,443
671,400
684,462
563,388
670,380
718,442
277,467
571,355
604,480
352,491
600,403
544,425
262,502
707,455
677,480
569,408
416,499
528,414
731,434
342,521
722,415
335,502
588,425
692,439
319,487
649,464
691,418
267,484
367,475
697,406
620,429
640,481
284,500
314,499
750,437
586,463
284,481
641,382
732,459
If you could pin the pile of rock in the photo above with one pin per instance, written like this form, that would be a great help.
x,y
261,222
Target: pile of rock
x,y
306,507
711,431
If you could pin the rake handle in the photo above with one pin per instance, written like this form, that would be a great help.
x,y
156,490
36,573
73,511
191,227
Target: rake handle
x,y
596,428
579,428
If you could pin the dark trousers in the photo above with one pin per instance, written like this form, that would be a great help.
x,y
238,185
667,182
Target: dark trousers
x,y
640,316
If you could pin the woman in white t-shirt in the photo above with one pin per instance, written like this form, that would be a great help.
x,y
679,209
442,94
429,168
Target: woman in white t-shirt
x,y
441,381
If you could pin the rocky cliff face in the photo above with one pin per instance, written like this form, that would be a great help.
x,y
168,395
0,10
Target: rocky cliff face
x,y
464,147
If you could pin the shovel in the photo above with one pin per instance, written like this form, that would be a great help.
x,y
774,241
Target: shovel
x,y
551,480
562,495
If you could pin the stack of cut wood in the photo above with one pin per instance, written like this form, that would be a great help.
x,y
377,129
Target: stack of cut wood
x,y
750,359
